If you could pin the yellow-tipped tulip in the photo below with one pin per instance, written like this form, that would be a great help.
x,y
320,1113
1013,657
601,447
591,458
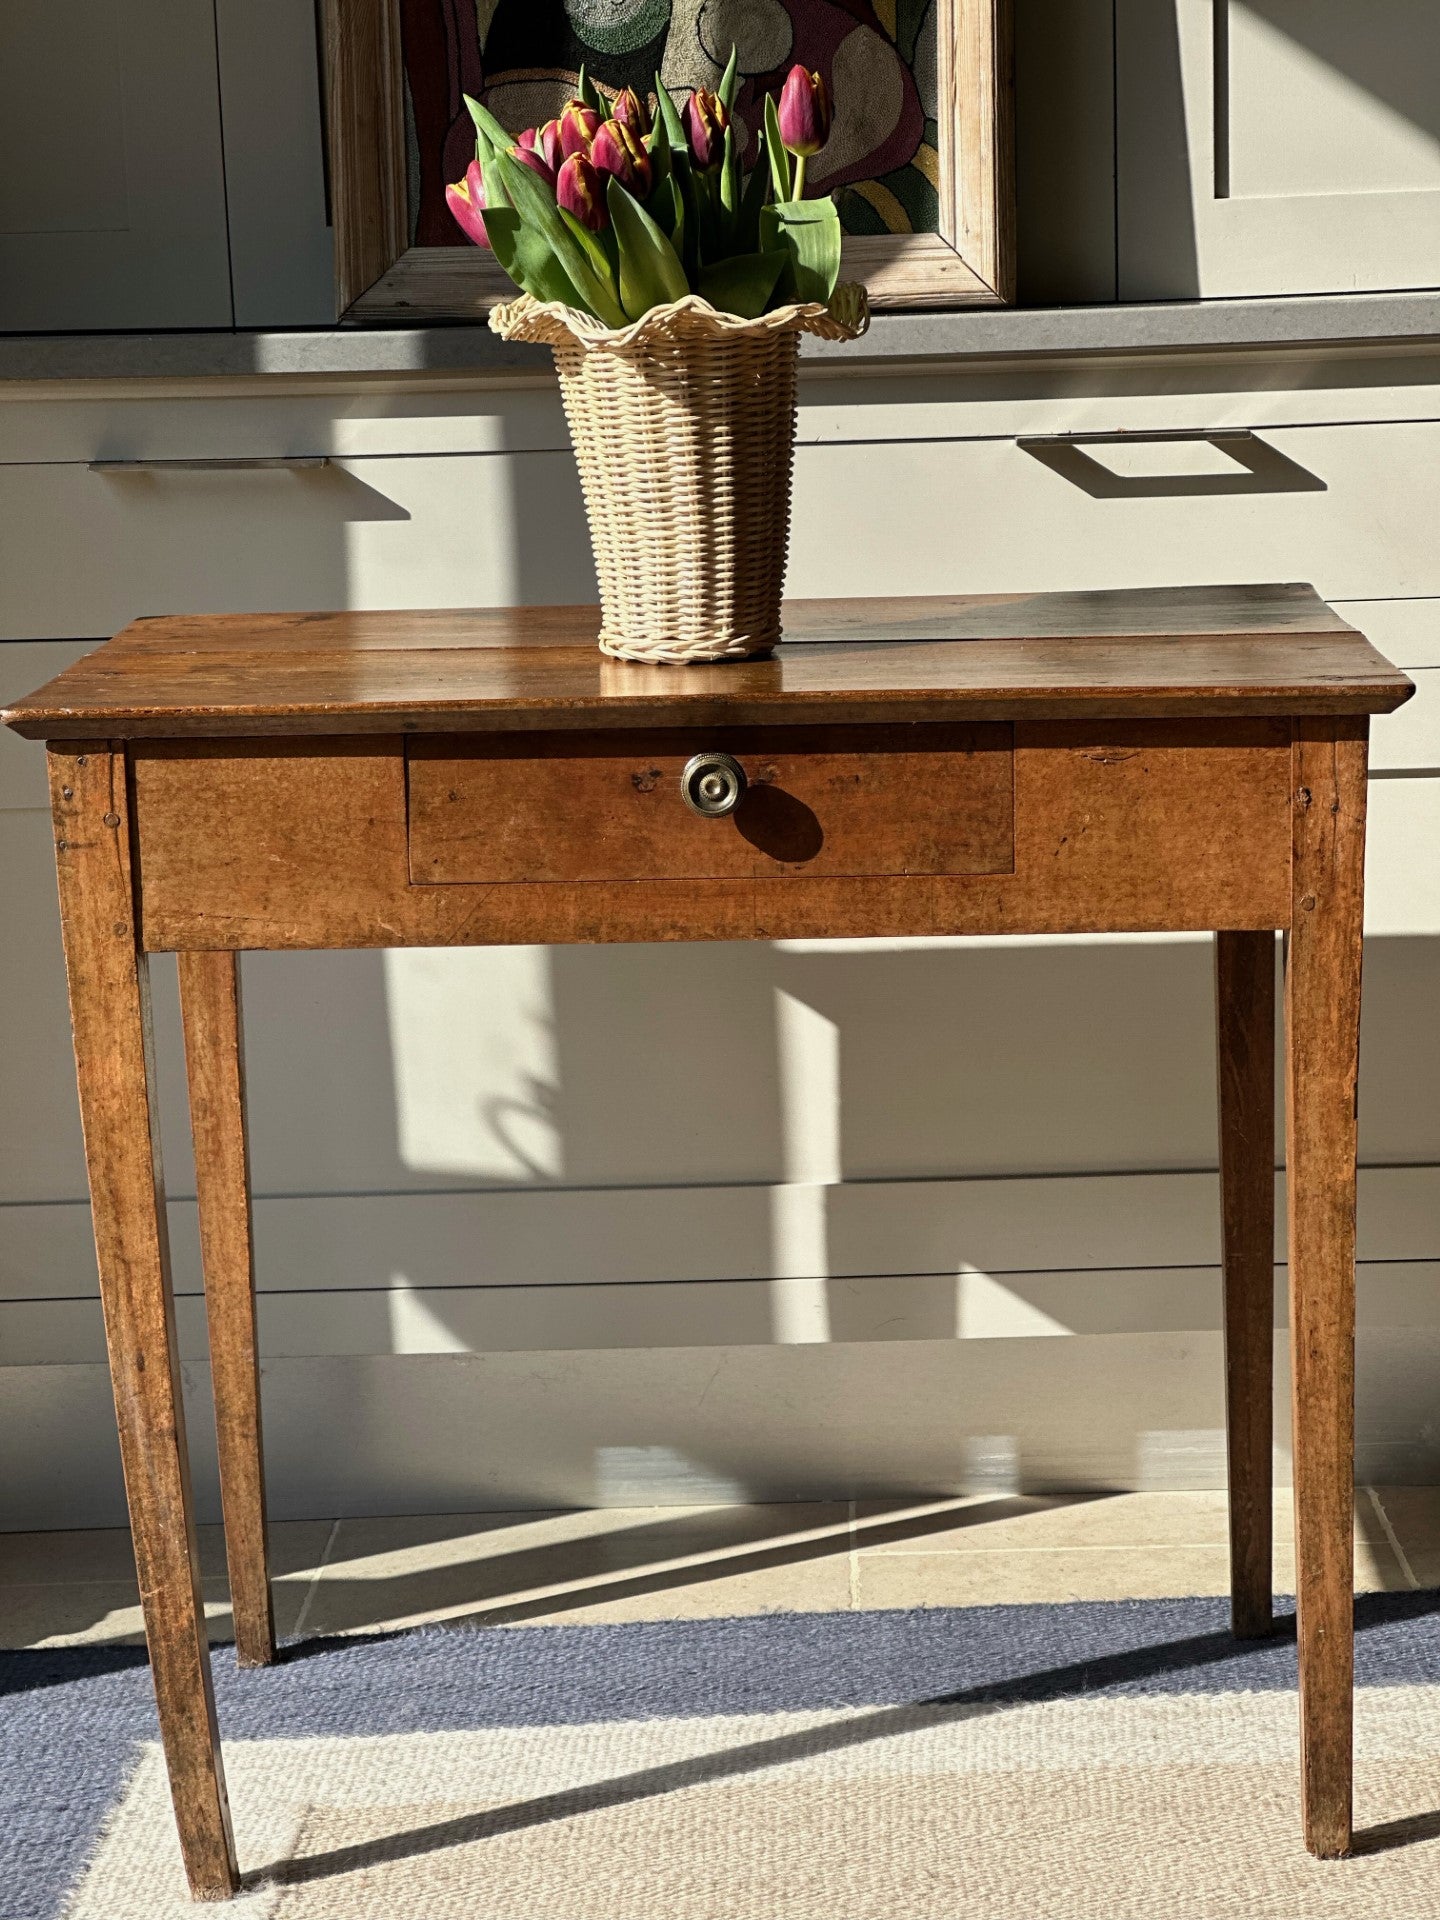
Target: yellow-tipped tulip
x,y
580,190
617,151
627,109
466,200
578,126
705,118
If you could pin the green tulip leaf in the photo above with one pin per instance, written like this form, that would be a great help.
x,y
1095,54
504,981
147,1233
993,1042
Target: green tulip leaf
x,y
669,116
667,208
775,151
728,79
747,225
527,259
487,125
730,181
585,89
810,231
495,194
650,269
535,204
744,283
593,246
662,163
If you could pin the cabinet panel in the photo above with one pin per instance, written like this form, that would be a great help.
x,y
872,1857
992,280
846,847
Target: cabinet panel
x,y
1350,508
1277,146
112,190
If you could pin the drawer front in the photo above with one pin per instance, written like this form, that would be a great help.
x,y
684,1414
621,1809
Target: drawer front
x,y
1351,508
827,801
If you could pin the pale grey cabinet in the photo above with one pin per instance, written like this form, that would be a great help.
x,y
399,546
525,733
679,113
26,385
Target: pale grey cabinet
x,y
112,179
130,198
1276,147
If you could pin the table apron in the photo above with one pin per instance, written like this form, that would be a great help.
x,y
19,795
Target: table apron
x,y
1123,826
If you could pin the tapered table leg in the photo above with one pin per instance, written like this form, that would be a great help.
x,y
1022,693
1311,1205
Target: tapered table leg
x,y
110,1011
1322,1019
1245,1032
210,1010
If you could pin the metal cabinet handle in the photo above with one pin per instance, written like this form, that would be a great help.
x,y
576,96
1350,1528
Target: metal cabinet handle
x,y
1136,436
235,463
712,784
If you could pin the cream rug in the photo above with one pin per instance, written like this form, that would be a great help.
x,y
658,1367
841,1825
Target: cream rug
x,y
1126,1762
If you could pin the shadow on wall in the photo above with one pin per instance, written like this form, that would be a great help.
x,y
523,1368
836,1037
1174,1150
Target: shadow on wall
x,y
671,1066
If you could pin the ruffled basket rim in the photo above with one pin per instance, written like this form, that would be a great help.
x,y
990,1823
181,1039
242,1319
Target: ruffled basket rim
x,y
845,317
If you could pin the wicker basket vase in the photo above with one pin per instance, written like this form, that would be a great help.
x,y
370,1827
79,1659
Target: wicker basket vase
x,y
684,432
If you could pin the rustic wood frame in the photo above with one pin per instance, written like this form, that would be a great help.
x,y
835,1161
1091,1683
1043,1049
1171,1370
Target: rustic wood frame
x,y
379,276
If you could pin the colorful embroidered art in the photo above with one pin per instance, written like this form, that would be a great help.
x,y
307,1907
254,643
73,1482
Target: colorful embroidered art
x,y
522,57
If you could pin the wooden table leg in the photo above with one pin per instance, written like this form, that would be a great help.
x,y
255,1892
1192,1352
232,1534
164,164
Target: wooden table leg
x,y
1322,1019
110,1011
210,1009
1245,1030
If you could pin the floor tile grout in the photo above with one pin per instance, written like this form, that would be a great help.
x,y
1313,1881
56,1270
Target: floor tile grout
x,y
1392,1537
304,1614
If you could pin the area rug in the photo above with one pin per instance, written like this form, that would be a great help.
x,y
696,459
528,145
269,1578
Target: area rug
x,y
1112,1760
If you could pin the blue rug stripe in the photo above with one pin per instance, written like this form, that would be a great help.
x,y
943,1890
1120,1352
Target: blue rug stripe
x,y
72,1718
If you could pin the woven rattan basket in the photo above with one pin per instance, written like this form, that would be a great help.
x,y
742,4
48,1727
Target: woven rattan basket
x,y
684,432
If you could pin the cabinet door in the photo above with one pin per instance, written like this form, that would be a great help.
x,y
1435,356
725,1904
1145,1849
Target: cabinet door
x,y
112,191
1277,146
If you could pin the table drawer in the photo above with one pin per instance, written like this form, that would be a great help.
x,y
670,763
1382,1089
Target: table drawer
x,y
828,801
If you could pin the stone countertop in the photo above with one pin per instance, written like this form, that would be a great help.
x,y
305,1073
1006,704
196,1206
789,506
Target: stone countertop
x,y
1332,322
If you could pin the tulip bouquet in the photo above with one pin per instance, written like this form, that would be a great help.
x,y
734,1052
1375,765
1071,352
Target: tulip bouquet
x,y
610,213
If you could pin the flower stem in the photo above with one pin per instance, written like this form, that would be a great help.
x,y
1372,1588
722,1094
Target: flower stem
x,y
797,192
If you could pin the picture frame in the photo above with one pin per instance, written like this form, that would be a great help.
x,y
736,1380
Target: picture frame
x,y
380,278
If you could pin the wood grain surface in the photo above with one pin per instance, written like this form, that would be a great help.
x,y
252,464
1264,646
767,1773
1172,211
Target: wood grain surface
x,y
215,1071
1322,1018
818,800
1184,652
1245,1034
110,1012
1137,825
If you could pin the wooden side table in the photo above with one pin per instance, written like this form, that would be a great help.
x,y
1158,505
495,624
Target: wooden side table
x,y
1144,761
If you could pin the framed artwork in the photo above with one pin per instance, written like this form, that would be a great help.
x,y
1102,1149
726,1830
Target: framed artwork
x,y
919,154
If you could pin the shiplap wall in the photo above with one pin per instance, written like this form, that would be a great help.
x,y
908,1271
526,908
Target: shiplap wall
x,y
625,1224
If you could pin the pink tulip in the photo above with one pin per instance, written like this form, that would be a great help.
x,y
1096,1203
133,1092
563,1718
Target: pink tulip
x,y
466,200
578,126
615,150
627,109
804,112
531,157
544,141
705,117
581,192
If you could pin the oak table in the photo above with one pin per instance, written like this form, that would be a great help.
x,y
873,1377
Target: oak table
x,y
1177,760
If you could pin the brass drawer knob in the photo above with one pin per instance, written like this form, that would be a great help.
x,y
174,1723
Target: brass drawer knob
x,y
712,784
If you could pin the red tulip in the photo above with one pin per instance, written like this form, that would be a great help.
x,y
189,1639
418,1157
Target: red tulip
x,y
804,112
578,126
466,200
546,142
705,118
528,157
616,150
627,109
580,191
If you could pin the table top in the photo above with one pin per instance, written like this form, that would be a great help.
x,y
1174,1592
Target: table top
x,y
1141,653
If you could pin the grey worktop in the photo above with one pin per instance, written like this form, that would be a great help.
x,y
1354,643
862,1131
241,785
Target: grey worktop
x,y
1192,326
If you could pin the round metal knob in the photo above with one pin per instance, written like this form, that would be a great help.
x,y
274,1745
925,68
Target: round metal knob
x,y
712,784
